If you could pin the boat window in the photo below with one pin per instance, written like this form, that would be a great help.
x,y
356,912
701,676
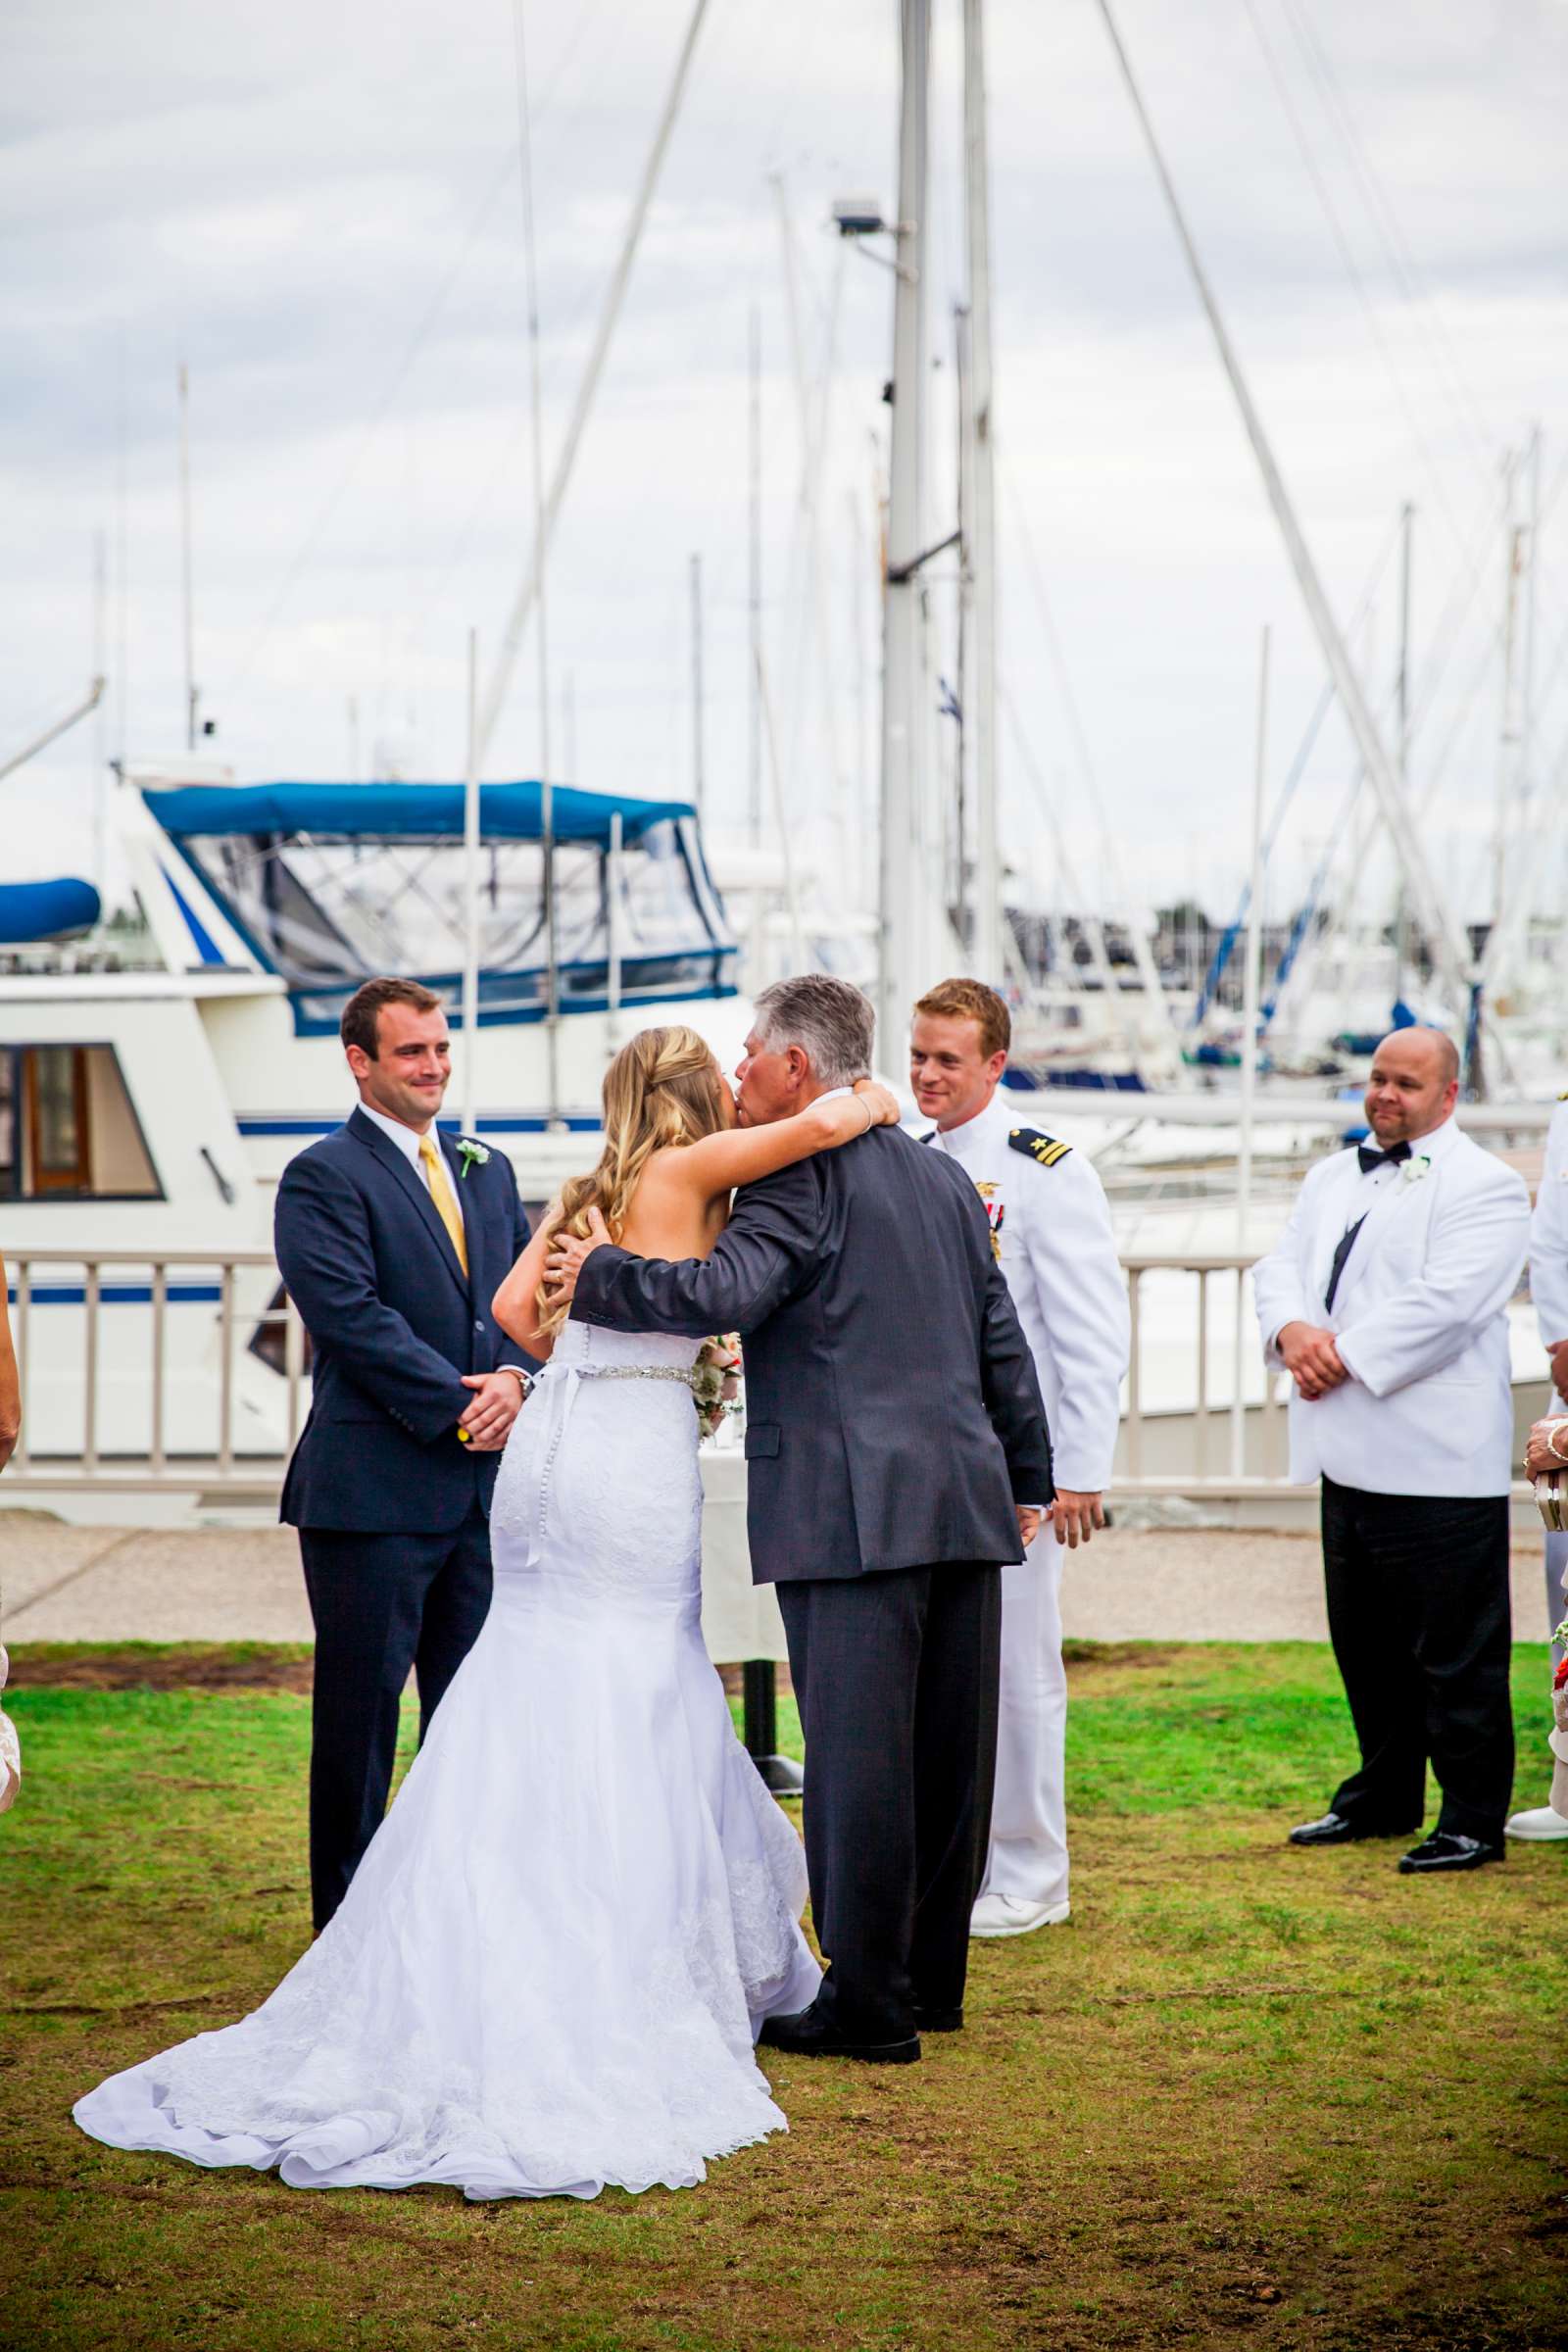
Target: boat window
x,y
68,1128
328,911
57,1106
658,893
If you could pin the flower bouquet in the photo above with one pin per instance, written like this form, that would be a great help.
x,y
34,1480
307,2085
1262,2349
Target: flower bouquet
x,y
1557,1738
716,1381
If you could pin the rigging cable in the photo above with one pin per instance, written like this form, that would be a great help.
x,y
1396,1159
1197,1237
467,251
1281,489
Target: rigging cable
x,y
1403,263
1352,268
495,187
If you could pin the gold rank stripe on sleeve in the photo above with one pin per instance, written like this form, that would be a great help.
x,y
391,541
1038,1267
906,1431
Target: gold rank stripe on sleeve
x,y
1043,1148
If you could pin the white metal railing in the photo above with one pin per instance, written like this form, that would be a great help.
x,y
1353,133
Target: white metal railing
x,y
161,1343
1202,1414
141,1374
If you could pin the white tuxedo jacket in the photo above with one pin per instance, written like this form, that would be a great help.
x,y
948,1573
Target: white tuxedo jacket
x,y
1419,1316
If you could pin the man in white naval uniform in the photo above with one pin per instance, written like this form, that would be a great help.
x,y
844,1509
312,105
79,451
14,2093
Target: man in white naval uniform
x,y
1386,1300
1051,1230
1548,1287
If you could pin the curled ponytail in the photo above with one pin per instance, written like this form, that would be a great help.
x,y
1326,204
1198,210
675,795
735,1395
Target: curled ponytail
x,y
663,1090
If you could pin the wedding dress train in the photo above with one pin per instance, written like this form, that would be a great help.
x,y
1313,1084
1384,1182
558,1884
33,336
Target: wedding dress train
x,y
549,1970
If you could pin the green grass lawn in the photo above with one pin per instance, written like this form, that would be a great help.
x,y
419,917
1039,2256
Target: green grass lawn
x,y
1248,2095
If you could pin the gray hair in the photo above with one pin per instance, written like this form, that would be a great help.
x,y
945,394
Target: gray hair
x,y
829,1019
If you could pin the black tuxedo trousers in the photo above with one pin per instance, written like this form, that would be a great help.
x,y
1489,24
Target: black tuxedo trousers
x,y
895,1676
1419,1617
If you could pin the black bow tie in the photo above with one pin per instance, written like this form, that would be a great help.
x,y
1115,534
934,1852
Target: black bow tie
x,y
1371,1158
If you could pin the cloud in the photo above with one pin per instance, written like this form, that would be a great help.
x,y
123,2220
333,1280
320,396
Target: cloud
x,y
319,212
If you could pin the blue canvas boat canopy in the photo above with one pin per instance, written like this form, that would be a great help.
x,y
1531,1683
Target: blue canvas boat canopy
x,y
32,912
330,883
404,812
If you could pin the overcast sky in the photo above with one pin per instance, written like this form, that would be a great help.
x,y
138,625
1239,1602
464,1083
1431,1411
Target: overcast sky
x,y
319,211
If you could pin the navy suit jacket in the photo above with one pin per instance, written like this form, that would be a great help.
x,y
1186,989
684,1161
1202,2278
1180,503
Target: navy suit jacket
x,y
892,1416
394,1324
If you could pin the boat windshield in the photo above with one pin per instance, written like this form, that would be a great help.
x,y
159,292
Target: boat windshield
x,y
327,909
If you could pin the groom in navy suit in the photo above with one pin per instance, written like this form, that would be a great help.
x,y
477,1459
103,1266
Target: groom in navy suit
x,y
392,1241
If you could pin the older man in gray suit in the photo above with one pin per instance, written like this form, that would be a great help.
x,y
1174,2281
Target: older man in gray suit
x,y
898,1455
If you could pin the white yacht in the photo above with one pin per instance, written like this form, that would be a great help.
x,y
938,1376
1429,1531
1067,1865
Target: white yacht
x,y
152,1092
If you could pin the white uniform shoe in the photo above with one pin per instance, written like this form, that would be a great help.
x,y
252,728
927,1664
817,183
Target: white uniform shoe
x,y
1009,1915
1541,1824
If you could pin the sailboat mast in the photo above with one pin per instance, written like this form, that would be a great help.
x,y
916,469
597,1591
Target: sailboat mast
x,y
495,693
914,929
697,684
541,542
1251,991
186,571
1450,947
754,591
980,549
100,744
470,899
1505,965
1401,921
1507,726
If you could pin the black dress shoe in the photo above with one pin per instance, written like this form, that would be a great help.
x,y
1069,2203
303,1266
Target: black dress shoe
x,y
940,2021
1450,1850
809,2035
1335,1830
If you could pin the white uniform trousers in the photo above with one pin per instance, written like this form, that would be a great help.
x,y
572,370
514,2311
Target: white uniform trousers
x,y
1028,1855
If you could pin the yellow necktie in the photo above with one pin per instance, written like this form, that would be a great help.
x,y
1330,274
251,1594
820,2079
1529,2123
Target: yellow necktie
x,y
445,1200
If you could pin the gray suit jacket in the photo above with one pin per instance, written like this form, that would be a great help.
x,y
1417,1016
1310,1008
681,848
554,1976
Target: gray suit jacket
x,y
892,1416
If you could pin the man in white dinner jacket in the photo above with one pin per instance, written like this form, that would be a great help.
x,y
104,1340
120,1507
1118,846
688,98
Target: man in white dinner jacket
x,y
1384,1299
1549,1289
1051,1230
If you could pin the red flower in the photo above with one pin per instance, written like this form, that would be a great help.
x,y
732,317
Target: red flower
x,y
1560,1678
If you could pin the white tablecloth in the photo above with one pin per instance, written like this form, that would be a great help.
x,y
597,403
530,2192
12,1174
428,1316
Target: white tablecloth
x,y
740,1619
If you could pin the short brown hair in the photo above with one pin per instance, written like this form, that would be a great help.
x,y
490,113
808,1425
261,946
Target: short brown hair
x,y
973,1001
362,1011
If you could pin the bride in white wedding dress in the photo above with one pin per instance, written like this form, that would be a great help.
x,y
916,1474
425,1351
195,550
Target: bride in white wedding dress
x,y
548,1972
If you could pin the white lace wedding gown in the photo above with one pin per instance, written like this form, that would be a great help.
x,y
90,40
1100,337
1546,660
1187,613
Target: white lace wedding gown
x,y
550,1967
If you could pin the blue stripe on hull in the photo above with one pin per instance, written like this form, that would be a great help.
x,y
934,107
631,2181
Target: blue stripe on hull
x,y
121,1294
520,1125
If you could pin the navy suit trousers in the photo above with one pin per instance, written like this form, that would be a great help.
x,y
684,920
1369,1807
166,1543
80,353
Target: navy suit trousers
x,y
383,1605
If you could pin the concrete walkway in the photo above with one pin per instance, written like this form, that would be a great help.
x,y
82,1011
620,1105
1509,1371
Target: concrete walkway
x,y
97,1583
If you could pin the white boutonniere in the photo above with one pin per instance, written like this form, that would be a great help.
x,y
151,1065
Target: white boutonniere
x,y
1415,1169
471,1154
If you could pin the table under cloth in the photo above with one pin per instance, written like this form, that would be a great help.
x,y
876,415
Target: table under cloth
x,y
740,1619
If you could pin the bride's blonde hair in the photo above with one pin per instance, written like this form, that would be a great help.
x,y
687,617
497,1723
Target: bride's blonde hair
x,y
663,1088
